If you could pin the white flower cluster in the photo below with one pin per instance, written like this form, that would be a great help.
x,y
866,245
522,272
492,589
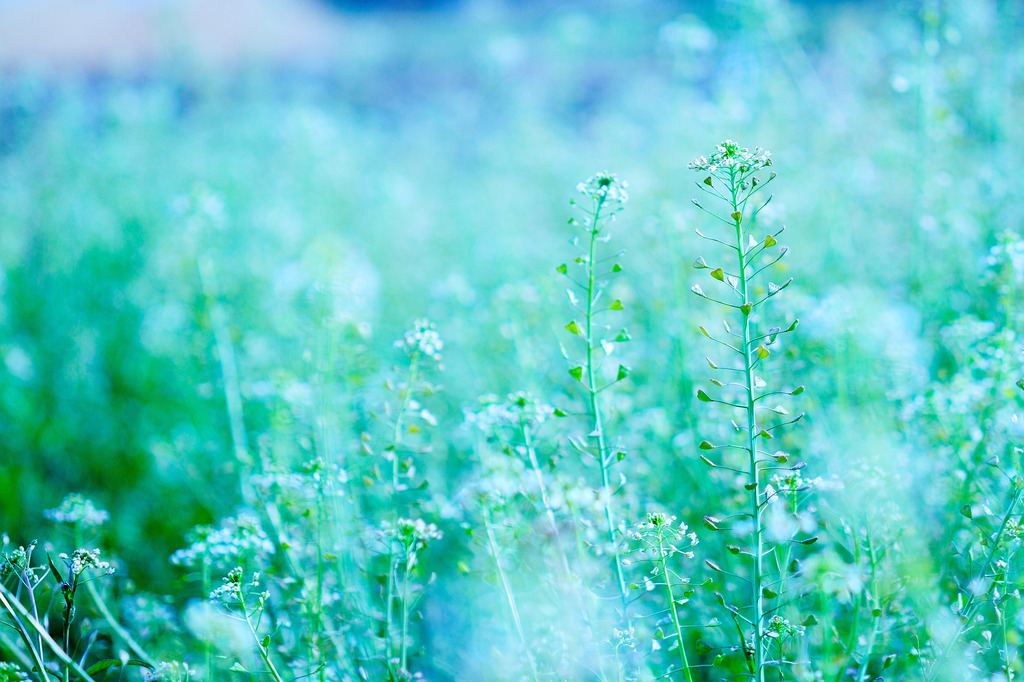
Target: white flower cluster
x,y
231,591
731,157
422,339
77,510
517,408
82,559
779,627
658,536
603,188
237,537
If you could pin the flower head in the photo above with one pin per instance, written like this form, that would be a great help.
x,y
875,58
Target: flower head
x,y
422,339
77,510
604,187
731,157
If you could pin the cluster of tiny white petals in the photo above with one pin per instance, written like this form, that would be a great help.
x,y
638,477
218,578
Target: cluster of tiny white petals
x,y
659,537
605,187
422,339
517,408
231,591
82,559
77,510
780,627
730,156
235,538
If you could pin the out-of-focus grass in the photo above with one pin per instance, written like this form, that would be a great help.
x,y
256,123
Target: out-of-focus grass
x,y
428,174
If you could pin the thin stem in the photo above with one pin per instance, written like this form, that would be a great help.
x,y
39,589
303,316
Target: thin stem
x,y
595,412
754,472
506,587
396,441
663,564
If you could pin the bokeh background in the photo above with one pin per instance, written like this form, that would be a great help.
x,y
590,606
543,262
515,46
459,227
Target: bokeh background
x,y
297,181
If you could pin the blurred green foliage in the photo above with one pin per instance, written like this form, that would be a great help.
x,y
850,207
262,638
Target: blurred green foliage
x,y
430,177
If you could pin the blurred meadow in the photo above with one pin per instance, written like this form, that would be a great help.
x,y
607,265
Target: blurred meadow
x,y
223,226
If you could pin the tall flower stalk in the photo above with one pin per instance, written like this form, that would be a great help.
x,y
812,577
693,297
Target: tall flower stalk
x,y
607,195
732,176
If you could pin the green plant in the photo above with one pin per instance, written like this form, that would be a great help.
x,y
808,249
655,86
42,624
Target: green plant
x,y
607,196
733,176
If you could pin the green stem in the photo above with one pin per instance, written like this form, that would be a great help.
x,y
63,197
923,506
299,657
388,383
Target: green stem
x,y
12,605
663,564
229,373
264,654
754,472
510,597
396,441
118,629
595,412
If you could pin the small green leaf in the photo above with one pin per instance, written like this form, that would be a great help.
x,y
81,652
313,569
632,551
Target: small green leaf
x,y
888,660
704,445
576,373
718,659
616,268
238,668
100,666
463,567
737,216
619,456
623,336
711,364
702,396
266,642
701,647
808,541
711,523
712,565
573,327
53,567
769,241
705,332
708,462
966,511
797,391
707,181
716,382
746,308
794,325
718,274
809,621
563,268
616,305
560,412
1020,384
762,352
623,373
768,594
733,549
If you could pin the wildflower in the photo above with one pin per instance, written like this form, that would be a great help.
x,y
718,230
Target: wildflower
x,y
779,627
237,537
82,559
77,510
231,591
15,562
422,339
604,187
730,157
10,672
